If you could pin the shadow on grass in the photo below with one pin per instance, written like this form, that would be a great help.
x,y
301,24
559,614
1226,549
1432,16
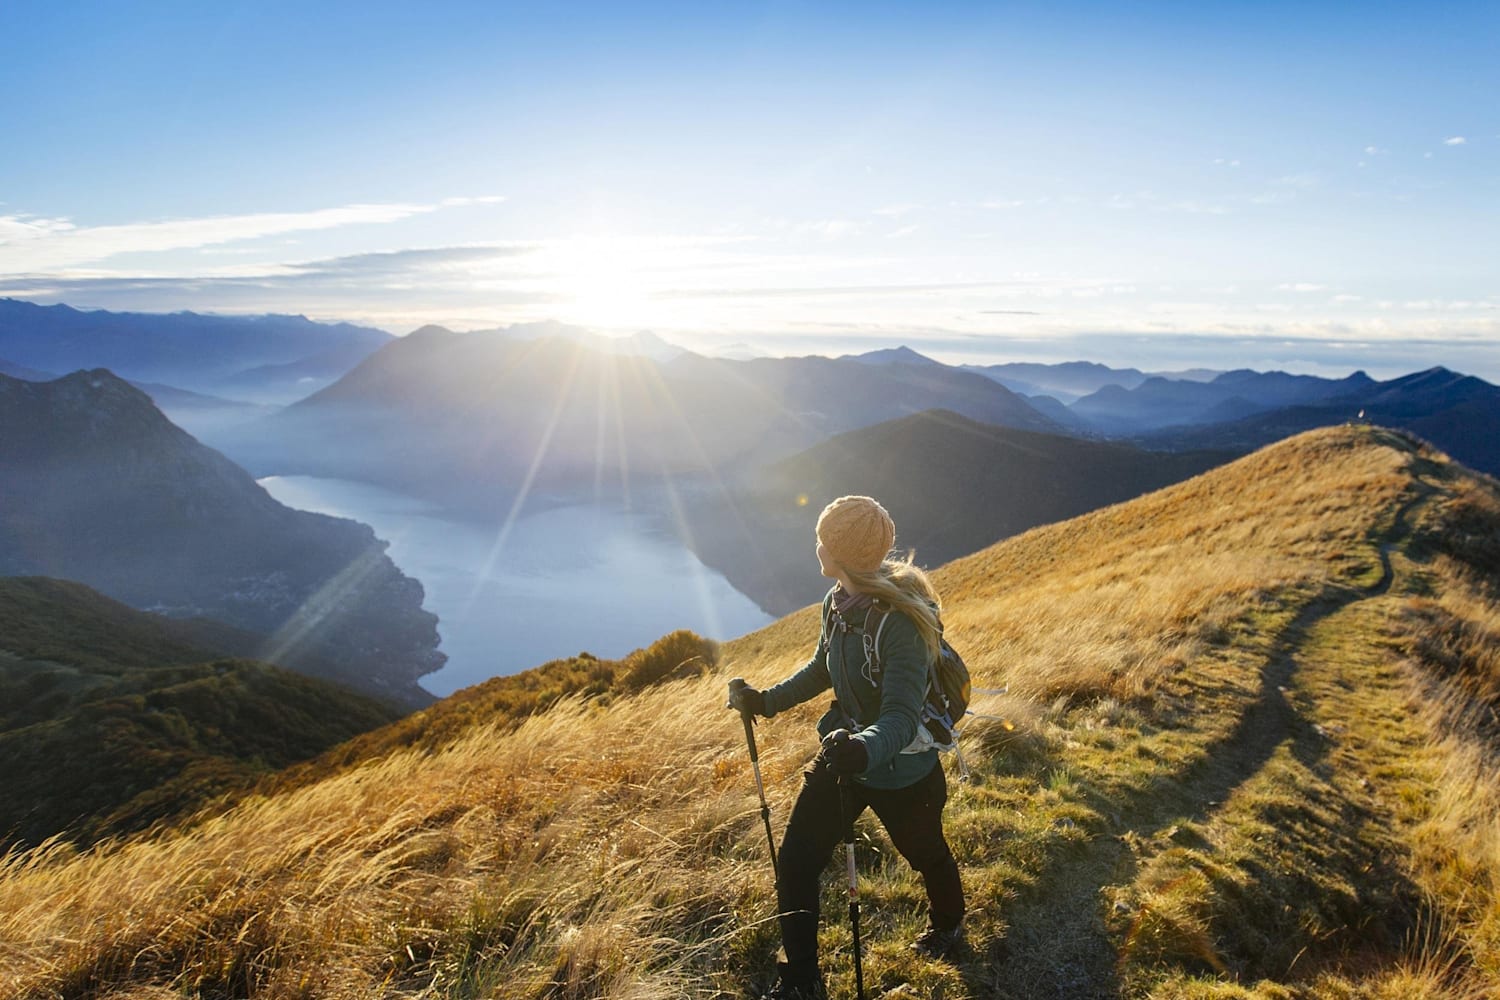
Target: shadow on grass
x,y
1060,945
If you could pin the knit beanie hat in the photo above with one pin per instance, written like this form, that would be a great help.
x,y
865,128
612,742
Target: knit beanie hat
x,y
857,533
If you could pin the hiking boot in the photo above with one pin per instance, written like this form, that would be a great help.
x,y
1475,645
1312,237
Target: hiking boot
x,y
808,991
796,987
935,943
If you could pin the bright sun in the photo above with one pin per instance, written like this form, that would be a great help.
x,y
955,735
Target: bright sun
x,y
599,282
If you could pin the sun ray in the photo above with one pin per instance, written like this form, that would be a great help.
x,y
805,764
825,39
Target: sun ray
x,y
611,414
559,406
659,389
323,604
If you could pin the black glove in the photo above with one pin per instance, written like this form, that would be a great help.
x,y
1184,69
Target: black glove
x,y
844,753
743,698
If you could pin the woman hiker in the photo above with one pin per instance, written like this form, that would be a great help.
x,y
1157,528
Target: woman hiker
x,y
863,736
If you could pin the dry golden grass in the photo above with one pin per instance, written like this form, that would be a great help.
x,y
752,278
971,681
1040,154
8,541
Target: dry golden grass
x,y
1454,640
616,851
369,879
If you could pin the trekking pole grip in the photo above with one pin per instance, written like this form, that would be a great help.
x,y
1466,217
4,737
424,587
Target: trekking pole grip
x,y
746,716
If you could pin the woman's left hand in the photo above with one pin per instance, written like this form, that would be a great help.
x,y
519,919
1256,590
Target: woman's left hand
x,y
844,753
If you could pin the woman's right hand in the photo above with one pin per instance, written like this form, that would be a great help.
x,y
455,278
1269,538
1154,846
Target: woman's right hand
x,y
745,699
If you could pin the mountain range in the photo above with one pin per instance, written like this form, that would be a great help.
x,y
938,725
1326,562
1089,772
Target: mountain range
x,y
468,420
471,419
97,486
474,421
1159,402
264,359
1067,382
1458,413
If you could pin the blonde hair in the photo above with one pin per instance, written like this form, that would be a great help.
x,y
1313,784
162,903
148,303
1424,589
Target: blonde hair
x,y
903,586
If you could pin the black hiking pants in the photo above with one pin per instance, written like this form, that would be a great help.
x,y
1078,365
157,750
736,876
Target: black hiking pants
x,y
913,816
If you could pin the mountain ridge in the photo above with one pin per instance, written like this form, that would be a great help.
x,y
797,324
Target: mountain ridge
x,y
203,353
1454,411
1159,402
483,414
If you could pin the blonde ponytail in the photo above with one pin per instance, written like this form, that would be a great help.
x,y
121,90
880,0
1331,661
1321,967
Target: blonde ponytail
x,y
903,586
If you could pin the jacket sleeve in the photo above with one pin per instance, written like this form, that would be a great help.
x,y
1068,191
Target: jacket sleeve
x,y
808,682
903,687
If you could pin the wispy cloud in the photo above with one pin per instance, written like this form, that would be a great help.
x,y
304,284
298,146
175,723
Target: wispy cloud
x,y
18,228
387,263
1455,140
29,245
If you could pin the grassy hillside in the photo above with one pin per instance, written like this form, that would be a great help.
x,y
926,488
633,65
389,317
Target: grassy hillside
x,y
506,702
1248,752
48,619
112,719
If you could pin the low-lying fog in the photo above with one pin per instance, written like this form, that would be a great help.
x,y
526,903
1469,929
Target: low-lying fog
x,y
562,581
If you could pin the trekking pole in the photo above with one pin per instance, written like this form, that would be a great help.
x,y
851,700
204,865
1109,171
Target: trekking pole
x,y
760,788
859,968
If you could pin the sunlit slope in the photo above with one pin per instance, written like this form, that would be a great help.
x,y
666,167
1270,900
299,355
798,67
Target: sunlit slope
x,y
1244,755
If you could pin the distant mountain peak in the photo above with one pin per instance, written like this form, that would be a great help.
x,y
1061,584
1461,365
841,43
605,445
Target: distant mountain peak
x,y
902,355
96,387
739,351
430,331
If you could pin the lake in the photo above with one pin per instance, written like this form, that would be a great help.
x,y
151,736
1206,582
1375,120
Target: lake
x,y
561,581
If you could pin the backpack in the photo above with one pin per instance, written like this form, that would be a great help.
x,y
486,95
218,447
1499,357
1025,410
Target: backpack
x,y
949,688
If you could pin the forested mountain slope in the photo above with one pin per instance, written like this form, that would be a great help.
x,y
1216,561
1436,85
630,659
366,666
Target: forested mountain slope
x,y
113,719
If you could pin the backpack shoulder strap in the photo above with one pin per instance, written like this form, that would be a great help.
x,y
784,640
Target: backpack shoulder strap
x,y
871,640
826,637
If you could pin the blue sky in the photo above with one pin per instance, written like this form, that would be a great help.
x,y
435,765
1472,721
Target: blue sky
x,y
1313,187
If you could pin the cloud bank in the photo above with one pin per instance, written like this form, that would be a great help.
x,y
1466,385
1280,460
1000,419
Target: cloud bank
x,y
30,245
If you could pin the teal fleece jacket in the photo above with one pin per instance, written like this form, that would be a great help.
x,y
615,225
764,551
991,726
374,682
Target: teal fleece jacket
x,y
887,716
